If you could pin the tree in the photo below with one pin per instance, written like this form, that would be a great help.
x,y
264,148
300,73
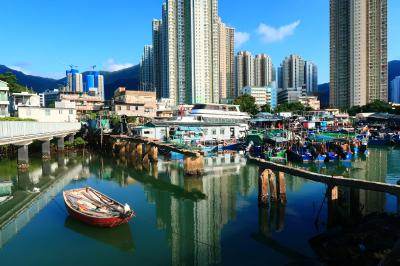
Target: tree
x,y
11,80
266,108
376,106
292,107
247,104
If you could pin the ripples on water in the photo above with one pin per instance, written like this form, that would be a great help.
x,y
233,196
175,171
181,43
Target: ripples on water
x,y
180,220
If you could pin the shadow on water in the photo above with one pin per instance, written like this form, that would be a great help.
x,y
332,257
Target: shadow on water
x,y
119,237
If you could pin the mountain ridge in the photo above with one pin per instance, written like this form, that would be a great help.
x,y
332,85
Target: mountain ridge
x,y
128,77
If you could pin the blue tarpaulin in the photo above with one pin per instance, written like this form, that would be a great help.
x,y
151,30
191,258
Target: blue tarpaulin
x,y
192,129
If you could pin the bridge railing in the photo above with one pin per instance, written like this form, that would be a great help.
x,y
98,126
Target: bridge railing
x,y
18,129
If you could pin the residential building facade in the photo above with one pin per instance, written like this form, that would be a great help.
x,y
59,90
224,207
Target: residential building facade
x,y
74,81
310,101
188,40
4,99
49,97
292,69
135,103
259,94
146,69
272,95
358,52
157,56
84,103
244,70
262,70
290,95
23,99
61,112
311,78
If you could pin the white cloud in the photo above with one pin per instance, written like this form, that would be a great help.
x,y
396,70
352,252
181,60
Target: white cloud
x,y
270,34
111,65
21,69
241,38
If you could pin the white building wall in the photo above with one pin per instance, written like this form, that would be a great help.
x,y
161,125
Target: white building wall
x,y
47,114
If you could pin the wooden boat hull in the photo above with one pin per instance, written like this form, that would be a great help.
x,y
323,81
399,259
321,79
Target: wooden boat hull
x,y
99,222
111,221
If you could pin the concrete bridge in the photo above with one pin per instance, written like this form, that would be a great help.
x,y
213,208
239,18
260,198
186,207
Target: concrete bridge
x,y
22,134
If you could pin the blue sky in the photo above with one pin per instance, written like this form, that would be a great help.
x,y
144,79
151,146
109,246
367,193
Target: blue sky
x,y
43,37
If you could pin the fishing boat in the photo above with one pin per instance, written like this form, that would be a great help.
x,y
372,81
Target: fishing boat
x,y
94,208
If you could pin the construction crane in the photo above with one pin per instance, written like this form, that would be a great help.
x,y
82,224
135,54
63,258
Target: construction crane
x,y
93,67
72,66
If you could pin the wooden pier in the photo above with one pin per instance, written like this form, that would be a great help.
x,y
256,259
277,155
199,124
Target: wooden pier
x,y
268,181
145,150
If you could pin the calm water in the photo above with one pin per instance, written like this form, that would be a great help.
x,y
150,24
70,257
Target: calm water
x,y
180,220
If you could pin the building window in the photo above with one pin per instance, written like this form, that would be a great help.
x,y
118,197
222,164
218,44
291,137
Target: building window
x,y
119,107
47,112
222,131
71,112
214,131
128,107
137,108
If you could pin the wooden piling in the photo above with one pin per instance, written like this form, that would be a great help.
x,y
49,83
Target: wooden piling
x,y
282,187
153,154
139,151
334,193
193,165
263,182
272,185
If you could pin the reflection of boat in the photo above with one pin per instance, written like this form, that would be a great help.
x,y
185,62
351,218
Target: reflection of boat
x,y
119,237
92,207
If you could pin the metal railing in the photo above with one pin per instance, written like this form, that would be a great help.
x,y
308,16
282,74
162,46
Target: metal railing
x,y
34,130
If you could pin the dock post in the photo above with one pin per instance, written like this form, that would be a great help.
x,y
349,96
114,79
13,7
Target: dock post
x,y
127,147
333,193
60,144
193,165
263,181
46,167
61,160
23,156
71,138
282,187
153,154
46,150
272,184
139,151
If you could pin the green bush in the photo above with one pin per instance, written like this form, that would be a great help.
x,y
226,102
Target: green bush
x,y
17,119
80,142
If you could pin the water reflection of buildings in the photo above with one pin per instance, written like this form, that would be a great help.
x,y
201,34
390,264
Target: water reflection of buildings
x,y
194,227
374,168
22,205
